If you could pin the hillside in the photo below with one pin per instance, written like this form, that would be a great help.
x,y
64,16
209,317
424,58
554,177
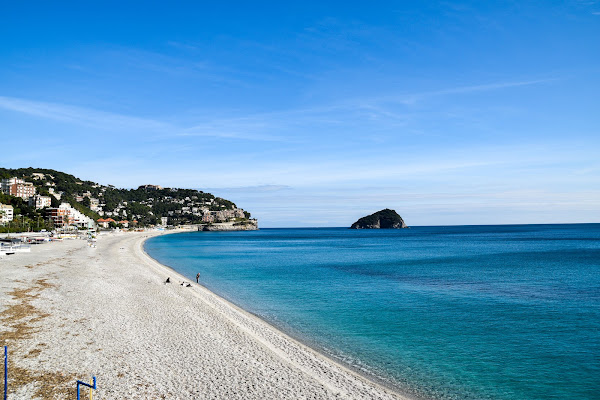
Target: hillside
x,y
146,205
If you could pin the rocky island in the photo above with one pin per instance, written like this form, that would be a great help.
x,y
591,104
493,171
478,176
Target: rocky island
x,y
384,219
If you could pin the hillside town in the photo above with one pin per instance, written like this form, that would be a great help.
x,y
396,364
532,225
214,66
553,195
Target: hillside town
x,y
63,215
61,201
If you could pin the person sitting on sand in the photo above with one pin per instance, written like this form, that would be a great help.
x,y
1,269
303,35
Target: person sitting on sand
x,y
168,280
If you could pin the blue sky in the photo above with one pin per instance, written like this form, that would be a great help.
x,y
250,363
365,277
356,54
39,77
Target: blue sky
x,y
312,114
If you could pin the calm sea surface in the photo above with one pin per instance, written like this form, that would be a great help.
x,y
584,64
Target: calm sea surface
x,y
471,312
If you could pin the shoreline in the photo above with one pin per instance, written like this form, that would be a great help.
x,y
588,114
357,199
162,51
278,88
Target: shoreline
x,y
298,341
74,311
306,344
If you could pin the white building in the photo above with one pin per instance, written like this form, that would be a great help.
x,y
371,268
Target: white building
x,y
95,204
6,213
67,215
39,201
57,195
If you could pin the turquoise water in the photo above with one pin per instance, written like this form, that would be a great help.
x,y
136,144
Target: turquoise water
x,y
471,312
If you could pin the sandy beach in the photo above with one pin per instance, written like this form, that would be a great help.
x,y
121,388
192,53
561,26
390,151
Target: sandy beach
x,y
70,312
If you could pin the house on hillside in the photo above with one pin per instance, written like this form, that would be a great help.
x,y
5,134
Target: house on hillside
x,y
38,201
150,187
6,213
105,223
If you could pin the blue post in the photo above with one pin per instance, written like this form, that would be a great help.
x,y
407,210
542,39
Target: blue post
x,y
93,386
5,371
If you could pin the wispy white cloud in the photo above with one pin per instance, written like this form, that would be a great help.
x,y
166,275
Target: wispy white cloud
x,y
80,115
489,86
115,62
411,98
110,122
277,125
254,128
260,189
287,125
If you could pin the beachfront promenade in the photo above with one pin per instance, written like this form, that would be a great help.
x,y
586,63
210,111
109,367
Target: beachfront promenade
x,y
70,312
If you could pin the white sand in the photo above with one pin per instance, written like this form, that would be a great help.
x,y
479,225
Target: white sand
x,y
108,313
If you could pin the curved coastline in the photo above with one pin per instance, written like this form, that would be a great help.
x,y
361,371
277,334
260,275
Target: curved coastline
x,y
72,312
265,332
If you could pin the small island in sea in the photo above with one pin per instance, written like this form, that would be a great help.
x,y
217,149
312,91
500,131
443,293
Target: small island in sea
x,y
384,219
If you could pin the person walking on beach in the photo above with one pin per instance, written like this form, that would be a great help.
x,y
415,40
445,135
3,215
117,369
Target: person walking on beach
x,y
198,277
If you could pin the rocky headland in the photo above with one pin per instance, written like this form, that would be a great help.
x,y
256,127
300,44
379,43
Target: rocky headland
x,y
247,225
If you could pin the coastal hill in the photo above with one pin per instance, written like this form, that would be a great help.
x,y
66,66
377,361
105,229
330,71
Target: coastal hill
x,y
384,219
145,206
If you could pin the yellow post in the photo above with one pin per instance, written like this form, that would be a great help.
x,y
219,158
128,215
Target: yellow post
x,y
91,395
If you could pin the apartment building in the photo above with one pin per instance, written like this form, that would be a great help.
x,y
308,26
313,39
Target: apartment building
x,y
38,201
208,218
66,215
18,187
6,214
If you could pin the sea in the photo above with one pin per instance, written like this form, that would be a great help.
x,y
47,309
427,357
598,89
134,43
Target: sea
x,y
436,312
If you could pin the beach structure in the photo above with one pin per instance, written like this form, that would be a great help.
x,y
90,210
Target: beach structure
x,y
11,246
92,386
5,371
